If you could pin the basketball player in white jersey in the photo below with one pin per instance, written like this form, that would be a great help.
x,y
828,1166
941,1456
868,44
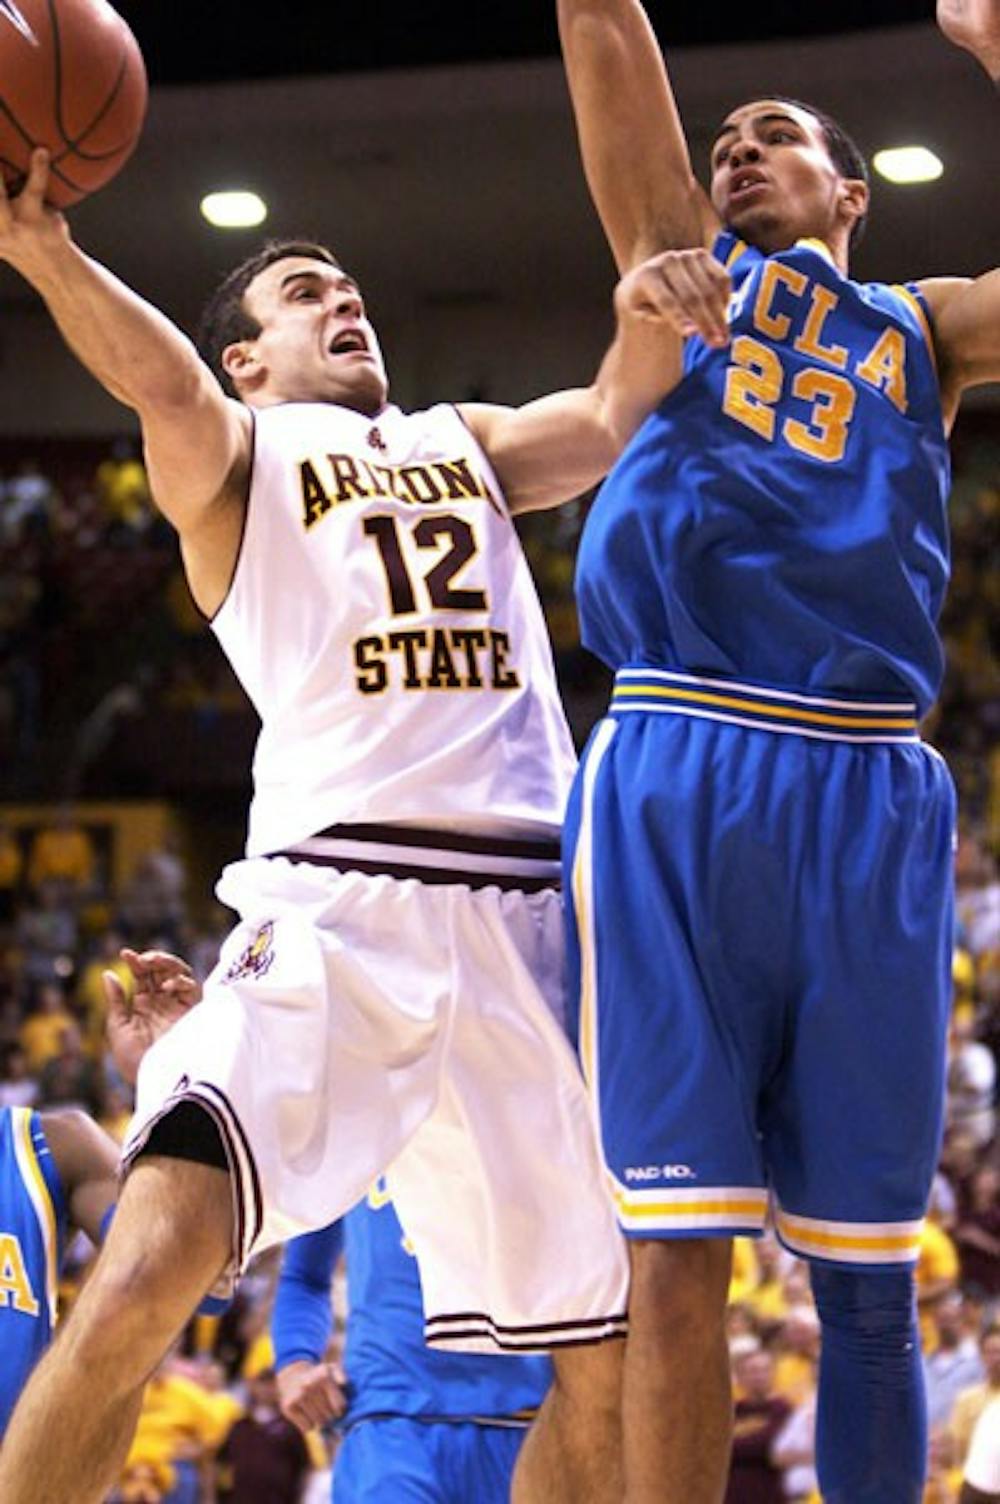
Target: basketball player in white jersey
x,y
391,999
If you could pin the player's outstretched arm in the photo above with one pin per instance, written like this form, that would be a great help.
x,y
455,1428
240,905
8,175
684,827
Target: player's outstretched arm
x,y
974,25
558,447
196,438
635,154
87,1160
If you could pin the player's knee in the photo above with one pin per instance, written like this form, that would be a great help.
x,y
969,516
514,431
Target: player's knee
x,y
683,1280
590,1377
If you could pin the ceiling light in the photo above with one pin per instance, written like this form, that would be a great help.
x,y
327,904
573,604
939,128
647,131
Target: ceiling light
x,y
234,210
908,164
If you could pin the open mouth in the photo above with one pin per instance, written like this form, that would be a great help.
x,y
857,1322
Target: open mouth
x,y
349,342
744,184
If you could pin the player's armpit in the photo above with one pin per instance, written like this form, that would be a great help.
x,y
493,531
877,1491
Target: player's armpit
x,y
635,154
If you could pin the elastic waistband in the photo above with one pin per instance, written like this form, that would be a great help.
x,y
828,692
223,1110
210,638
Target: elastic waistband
x,y
435,856
828,717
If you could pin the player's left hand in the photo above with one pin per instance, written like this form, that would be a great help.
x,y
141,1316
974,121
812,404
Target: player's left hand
x,y
974,25
165,989
688,290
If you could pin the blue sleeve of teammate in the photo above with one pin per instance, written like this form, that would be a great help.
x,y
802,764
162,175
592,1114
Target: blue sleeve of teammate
x,y
302,1319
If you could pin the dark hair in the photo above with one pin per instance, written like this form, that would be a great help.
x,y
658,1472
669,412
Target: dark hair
x,y
845,154
225,321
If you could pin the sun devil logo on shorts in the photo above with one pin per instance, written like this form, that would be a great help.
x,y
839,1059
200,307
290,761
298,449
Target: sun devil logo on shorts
x,y
258,957
659,1172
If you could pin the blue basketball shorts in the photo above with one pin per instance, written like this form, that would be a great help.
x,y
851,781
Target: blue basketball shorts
x,y
760,926
398,1460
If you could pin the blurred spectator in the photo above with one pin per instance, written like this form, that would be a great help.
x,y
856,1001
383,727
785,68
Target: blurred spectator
x,y
62,852
972,1078
971,1402
46,934
954,1363
760,1416
981,1481
71,1078
122,490
977,883
11,872
18,1087
767,1297
796,1353
794,1452
936,1275
150,908
265,1459
180,1428
29,498
90,997
42,1031
977,1234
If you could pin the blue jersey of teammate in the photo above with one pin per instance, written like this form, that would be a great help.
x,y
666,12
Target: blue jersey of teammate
x,y
782,518
33,1218
390,1369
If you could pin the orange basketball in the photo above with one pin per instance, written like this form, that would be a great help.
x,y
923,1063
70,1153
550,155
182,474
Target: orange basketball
x,y
72,79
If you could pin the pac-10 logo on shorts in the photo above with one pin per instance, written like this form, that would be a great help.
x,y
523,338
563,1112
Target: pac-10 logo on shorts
x,y
257,958
660,1172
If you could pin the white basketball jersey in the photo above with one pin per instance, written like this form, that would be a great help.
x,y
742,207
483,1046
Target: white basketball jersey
x,y
384,622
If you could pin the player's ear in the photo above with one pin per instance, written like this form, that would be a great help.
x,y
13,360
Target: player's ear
x,y
854,195
240,361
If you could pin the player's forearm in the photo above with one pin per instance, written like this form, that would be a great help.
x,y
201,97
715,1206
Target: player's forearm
x,y
635,154
642,367
132,349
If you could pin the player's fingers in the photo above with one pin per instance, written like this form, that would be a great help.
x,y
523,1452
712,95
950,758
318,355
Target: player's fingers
x,y
37,181
114,993
702,296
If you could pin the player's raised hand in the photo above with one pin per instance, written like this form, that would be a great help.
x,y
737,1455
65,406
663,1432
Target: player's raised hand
x,y
311,1394
974,25
689,290
165,989
28,225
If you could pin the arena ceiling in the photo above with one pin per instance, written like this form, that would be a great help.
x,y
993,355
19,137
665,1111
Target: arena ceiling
x,y
439,157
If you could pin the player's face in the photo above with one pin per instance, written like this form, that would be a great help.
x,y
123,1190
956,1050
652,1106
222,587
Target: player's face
x,y
315,344
773,181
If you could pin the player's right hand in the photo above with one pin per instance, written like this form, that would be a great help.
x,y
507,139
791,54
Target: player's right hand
x,y
689,290
311,1394
27,223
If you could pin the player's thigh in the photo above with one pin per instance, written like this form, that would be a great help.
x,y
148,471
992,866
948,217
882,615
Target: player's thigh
x,y
673,1021
510,1147
853,1122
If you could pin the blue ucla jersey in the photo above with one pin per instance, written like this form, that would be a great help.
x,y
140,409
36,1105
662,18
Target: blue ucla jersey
x,y
782,517
32,1228
390,1370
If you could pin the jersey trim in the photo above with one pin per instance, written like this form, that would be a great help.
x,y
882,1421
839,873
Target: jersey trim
x,y
460,1326
720,1210
434,856
849,1242
36,1186
826,717
913,301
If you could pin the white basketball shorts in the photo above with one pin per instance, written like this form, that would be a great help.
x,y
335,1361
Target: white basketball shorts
x,y
358,1025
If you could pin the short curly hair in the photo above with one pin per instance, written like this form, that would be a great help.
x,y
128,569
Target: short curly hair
x,y
225,321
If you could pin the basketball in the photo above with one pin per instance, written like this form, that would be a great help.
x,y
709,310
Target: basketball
x,y
72,79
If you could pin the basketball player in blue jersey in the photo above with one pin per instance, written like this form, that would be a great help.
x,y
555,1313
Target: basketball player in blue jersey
x,y
758,845
419,1425
59,1170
